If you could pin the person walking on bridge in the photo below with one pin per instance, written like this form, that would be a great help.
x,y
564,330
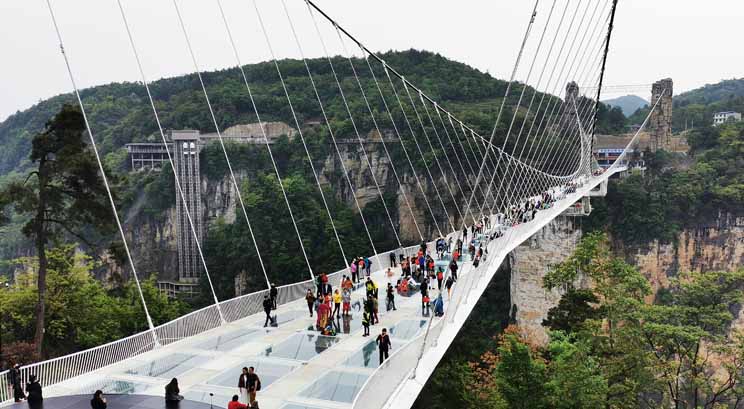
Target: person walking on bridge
x,y
273,293
453,270
383,342
368,266
336,304
353,268
253,384
448,285
390,298
346,299
310,298
267,309
17,383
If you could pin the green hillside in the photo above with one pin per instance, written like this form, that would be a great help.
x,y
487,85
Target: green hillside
x,y
120,114
699,105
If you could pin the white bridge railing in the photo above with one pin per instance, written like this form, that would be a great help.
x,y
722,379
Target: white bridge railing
x,y
63,368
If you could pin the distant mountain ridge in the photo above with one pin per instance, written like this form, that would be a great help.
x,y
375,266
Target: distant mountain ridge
x,y
712,93
628,103
697,107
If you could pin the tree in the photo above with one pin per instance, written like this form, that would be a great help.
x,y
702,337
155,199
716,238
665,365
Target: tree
x,y
614,334
521,375
80,312
697,359
62,195
574,308
576,380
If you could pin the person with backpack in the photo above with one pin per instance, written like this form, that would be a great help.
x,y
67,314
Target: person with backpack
x,y
370,287
440,278
425,297
368,266
375,308
439,306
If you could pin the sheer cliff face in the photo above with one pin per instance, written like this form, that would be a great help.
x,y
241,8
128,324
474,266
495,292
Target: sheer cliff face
x,y
529,264
715,245
153,239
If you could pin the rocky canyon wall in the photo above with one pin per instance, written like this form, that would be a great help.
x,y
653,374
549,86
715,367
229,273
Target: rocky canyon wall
x,y
711,245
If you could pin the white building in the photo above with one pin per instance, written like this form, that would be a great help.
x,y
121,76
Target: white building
x,y
723,117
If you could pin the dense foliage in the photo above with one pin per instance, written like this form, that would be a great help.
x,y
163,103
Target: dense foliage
x,y
81,313
608,347
62,196
676,192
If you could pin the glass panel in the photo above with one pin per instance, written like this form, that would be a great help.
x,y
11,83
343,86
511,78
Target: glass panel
x,y
336,386
220,400
367,357
406,329
288,316
169,366
301,347
230,340
267,371
114,386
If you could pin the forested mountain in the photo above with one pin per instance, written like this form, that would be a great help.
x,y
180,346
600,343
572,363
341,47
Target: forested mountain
x,y
696,107
119,113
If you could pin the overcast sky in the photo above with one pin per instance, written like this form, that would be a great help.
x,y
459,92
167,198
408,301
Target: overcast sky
x,y
691,41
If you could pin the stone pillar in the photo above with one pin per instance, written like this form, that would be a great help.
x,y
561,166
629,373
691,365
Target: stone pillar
x,y
570,104
186,161
660,122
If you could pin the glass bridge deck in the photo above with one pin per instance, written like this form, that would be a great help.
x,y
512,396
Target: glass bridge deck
x,y
298,368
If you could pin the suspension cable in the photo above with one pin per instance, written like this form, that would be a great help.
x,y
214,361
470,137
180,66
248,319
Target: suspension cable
x,y
179,187
503,102
379,132
353,123
101,169
327,121
222,143
239,65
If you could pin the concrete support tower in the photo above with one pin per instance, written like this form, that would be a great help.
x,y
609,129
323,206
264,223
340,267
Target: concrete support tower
x,y
660,123
186,158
